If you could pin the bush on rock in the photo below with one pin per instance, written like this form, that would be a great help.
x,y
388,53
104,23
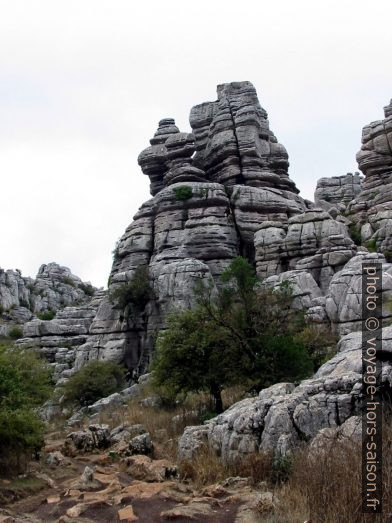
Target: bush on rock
x,y
94,381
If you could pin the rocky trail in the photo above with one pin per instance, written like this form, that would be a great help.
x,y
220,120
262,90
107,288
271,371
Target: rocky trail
x,y
97,488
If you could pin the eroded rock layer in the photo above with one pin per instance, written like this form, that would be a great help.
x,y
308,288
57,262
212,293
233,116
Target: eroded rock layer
x,y
54,288
372,209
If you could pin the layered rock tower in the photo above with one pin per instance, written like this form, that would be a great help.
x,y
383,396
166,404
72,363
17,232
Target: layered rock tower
x,y
372,209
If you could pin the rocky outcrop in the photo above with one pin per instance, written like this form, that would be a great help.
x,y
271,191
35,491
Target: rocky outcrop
x,y
372,209
234,142
58,339
284,415
337,192
205,210
219,192
311,241
54,288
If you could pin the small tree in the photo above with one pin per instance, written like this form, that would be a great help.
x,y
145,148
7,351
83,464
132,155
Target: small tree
x,y
195,355
94,381
136,293
245,334
25,384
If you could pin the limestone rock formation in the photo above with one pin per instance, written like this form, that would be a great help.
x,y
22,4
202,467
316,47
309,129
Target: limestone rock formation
x,y
338,191
312,240
234,142
219,192
372,209
54,288
205,210
58,339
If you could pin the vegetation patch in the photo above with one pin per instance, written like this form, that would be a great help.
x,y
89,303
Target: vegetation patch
x,y
371,245
355,232
15,333
87,288
183,193
67,280
25,384
136,292
94,381
247,334
46,315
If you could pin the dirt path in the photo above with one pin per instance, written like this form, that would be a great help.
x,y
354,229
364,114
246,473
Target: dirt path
x,y
113,493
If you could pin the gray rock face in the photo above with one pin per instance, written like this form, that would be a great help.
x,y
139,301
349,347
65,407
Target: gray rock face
x,y
284,415
54,288
58,339
313,241
337,191
372,209
344,298
234,142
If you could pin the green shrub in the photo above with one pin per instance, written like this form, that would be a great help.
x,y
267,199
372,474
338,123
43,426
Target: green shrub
x,y
94,381
46,315
24,303
183,193
87,288
1,309
15,333
25,384
67,280
116,252
135,293
355,232
371,245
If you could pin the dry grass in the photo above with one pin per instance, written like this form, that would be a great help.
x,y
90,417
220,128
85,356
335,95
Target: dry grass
x,y
316,486
326,487
164,424
207,468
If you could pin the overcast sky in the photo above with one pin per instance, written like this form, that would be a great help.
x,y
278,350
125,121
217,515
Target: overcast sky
x,y
83,84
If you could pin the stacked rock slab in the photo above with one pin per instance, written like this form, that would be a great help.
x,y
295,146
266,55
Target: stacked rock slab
x,y
311,241
372,209
234,142
338,191
58,339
